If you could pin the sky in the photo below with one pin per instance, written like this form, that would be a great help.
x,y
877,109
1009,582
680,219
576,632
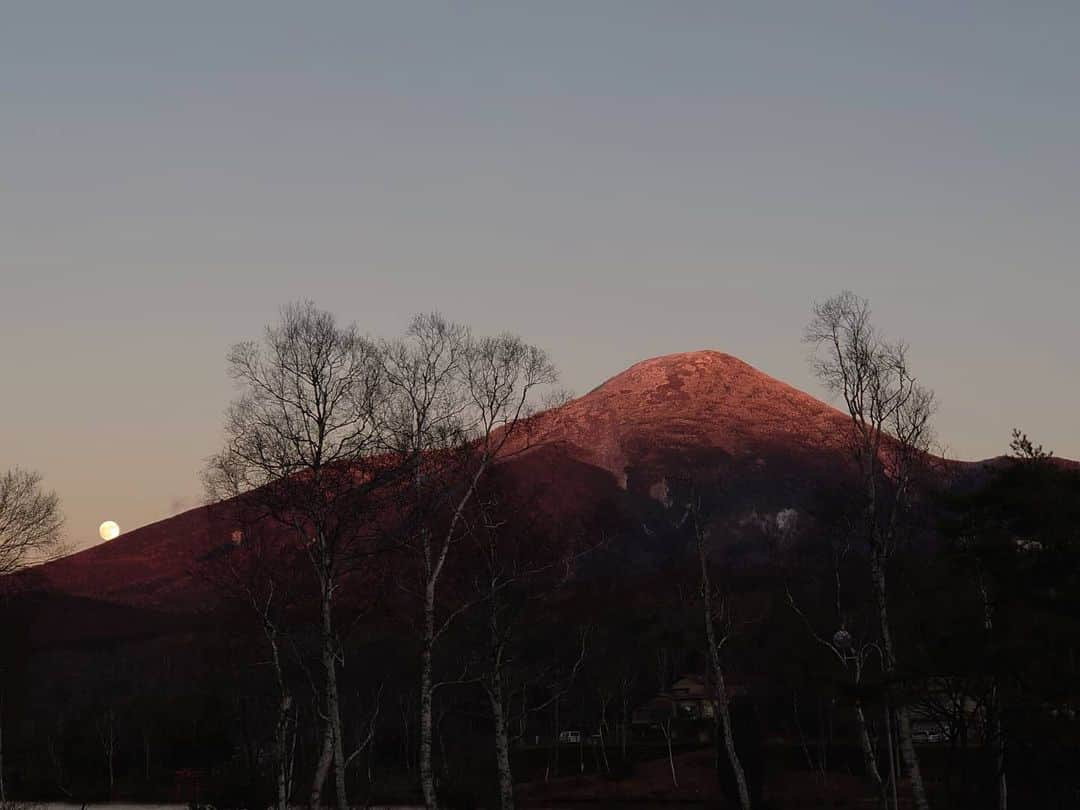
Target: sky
x,y
611,180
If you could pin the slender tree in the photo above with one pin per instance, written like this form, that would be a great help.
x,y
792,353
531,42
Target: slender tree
x,y
855,653
261,574
300,445
890,437
455,402
713,607
514,572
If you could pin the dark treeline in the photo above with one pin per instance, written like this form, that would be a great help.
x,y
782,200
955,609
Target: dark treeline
x,y
415,603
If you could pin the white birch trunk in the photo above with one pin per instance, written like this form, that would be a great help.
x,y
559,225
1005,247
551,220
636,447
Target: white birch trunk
x,y
870,760
502,745
333,708
427,771
907,745
722,703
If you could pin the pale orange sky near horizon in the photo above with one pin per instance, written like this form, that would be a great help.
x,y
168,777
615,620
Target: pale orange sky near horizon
x,y
613,181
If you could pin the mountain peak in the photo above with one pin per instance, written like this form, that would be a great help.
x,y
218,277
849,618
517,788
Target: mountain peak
x,y
664,368
692,403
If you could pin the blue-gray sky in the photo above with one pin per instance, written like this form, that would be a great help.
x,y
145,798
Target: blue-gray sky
x,y
613,180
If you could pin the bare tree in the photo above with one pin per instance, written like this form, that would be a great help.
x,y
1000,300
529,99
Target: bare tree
x,y
454,403
300,444
854,654
31,532
31,523
890,438
495,582
260,574
848,637
716,635
513,573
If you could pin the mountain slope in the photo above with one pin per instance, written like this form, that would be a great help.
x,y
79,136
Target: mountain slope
x,y
703,414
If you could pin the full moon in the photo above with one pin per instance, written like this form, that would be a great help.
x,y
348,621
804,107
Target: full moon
x,y
109,530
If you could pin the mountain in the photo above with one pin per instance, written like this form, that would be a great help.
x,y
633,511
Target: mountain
x,y
687,409
149,567
701,414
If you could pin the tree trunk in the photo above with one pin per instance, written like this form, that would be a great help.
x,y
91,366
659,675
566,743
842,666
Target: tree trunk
x,y
282,753
107,736
997,737
869,755
282,748
892,757
724,710
881,599
502,745
911,759
333,708
427,771
339,747
907,746
1003,787
322,770
603,748
326,758
666,727
581,745
722,704
110,747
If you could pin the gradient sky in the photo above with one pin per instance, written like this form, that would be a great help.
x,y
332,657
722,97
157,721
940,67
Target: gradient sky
x,y
612,180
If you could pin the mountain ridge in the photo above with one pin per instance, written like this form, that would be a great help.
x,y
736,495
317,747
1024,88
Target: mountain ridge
x,y
701,413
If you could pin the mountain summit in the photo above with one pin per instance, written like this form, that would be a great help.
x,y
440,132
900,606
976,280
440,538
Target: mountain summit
x,y
682,407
